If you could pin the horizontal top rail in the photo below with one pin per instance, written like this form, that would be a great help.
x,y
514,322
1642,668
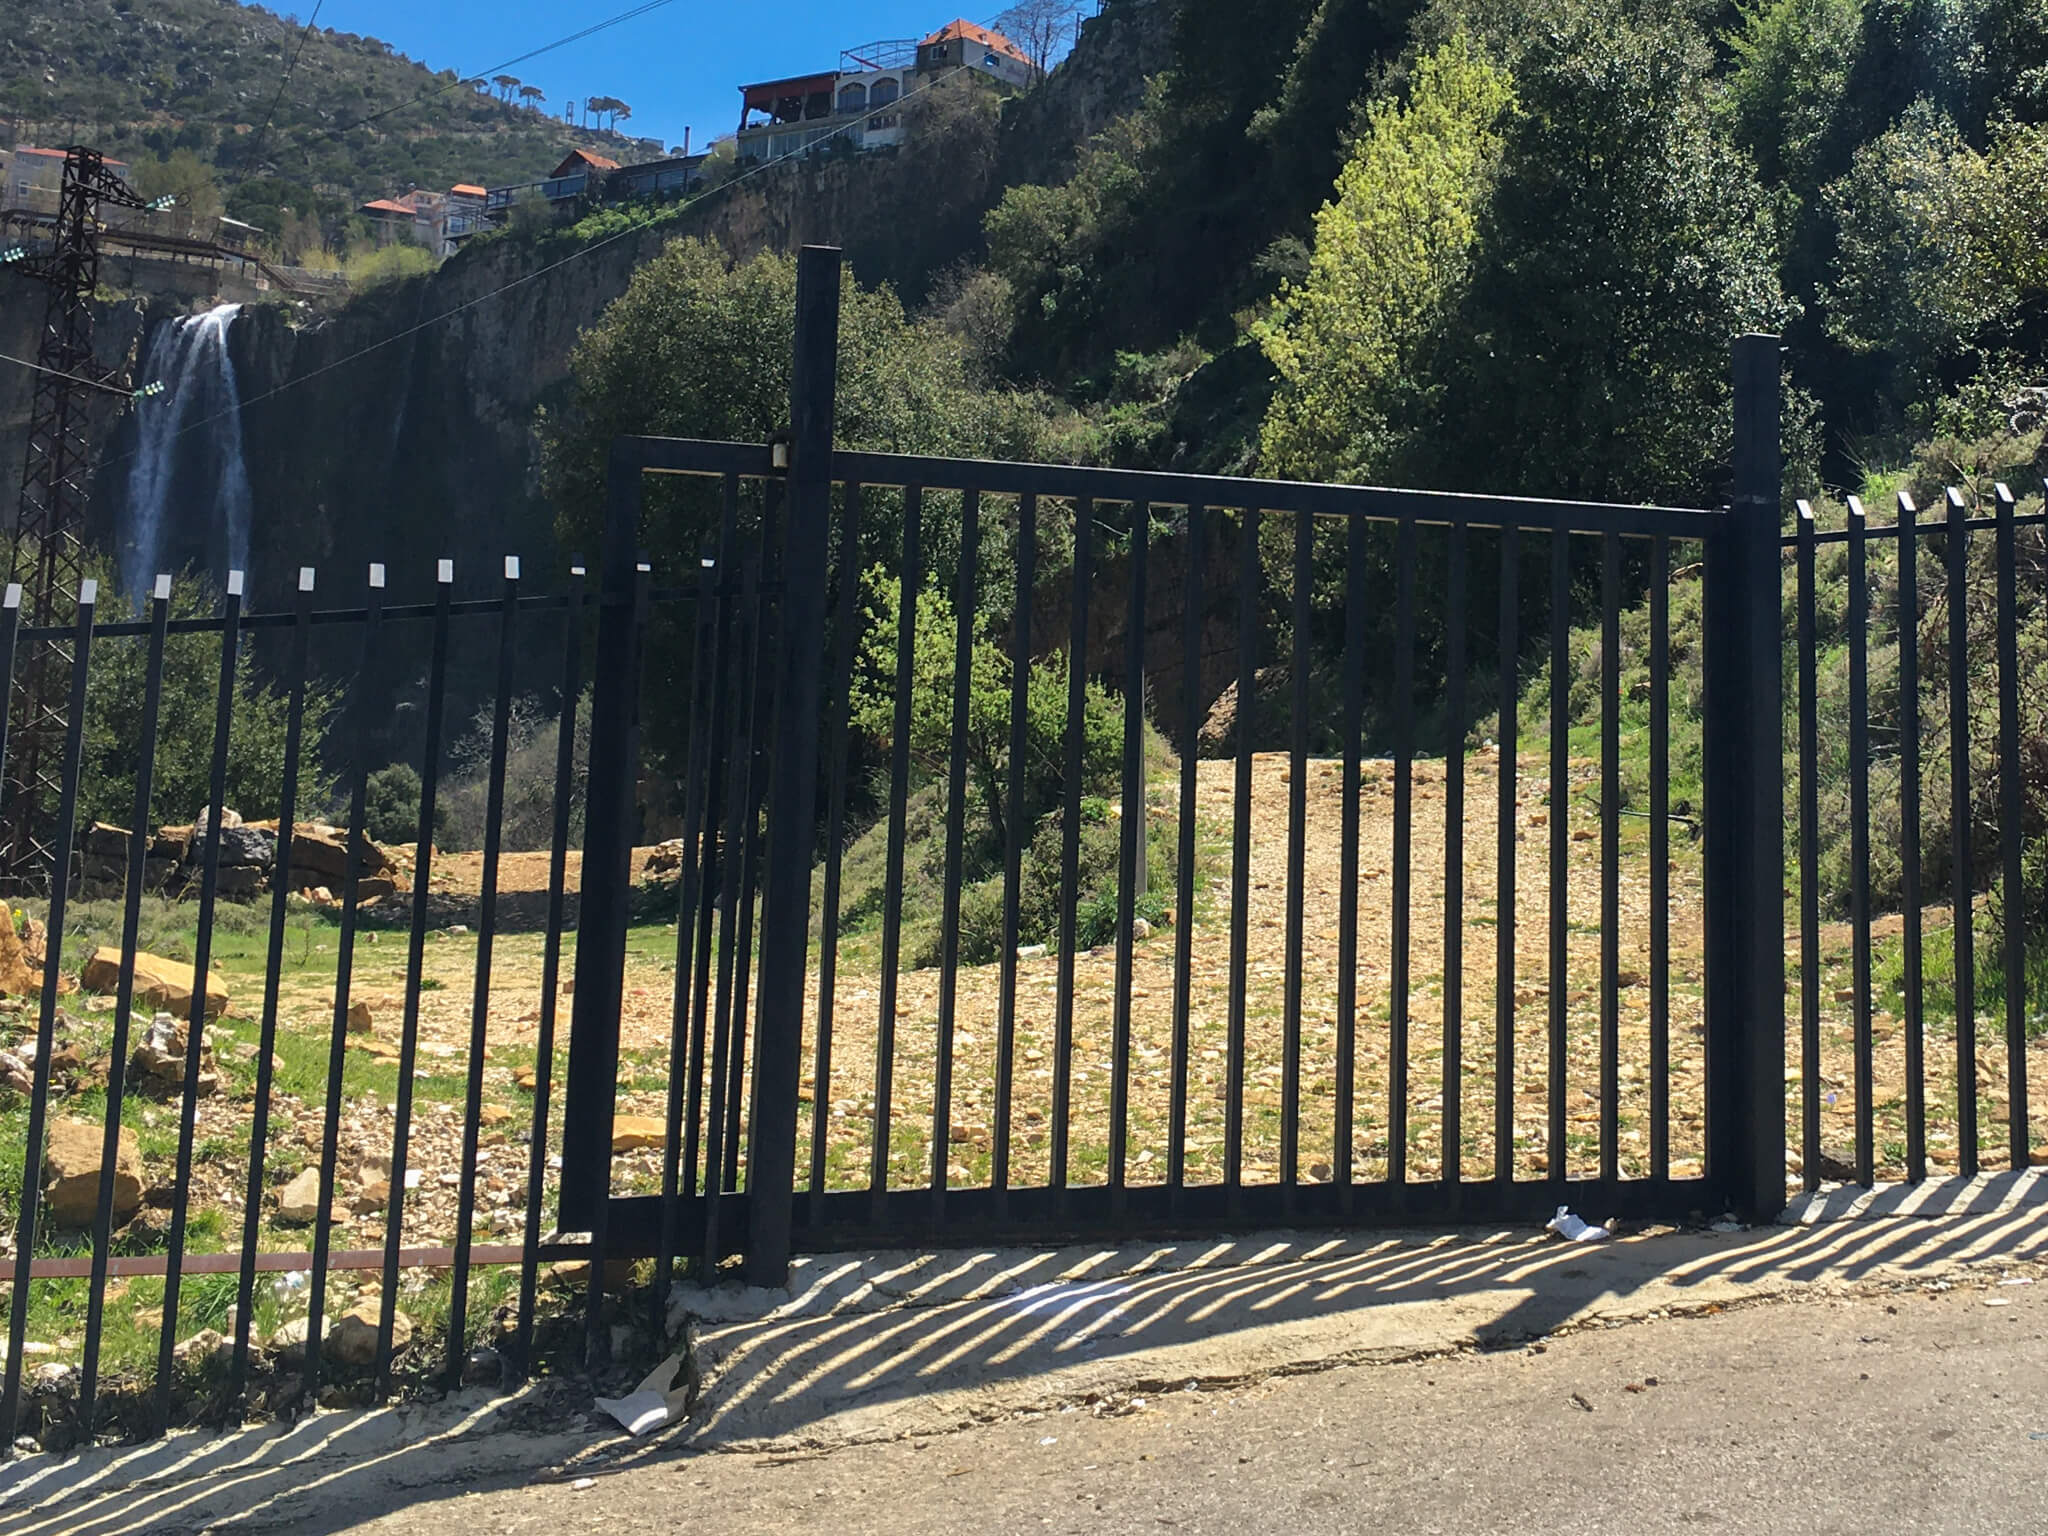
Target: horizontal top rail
x,y
211,623
690,456
1933,525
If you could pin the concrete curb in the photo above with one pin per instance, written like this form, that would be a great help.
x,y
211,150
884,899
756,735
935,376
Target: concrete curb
x,y
888,1345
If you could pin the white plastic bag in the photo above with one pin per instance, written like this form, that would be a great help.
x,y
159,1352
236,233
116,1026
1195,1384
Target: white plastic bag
x,y
1573,1230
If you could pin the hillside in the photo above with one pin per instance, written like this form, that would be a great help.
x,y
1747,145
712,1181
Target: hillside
x,y
143,80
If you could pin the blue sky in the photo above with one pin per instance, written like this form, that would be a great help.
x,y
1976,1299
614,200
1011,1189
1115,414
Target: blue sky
x,y
680,65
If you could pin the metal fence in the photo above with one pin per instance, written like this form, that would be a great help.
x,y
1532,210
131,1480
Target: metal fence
x,y
1038,1089
1100,962
1947,636
52,1263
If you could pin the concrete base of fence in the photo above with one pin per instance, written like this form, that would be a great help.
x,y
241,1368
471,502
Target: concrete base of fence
x,y
883,1346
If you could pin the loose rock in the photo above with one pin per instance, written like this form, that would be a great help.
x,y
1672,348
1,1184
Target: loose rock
x,y
71,1173
299,1201
354,1339
632,1132
159,983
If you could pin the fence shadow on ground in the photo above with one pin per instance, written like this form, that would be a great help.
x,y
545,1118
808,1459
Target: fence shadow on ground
x,y
969,1335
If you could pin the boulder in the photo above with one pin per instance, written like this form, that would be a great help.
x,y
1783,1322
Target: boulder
x,y
322,853
229,818
247,848
289,1342
106,841
71,1173
238,881
299,1201
172,844
354,1340
17,977
162,984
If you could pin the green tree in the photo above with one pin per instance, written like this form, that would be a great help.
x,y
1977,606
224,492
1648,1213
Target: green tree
x,y
699,346
184,176
1041,778
1939,252
1784,98
1624,246
1392,255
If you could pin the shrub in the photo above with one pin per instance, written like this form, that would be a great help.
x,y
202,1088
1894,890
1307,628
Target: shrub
x,y
391,804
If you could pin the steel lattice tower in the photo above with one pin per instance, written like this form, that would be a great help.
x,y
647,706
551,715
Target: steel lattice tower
x,y
50,518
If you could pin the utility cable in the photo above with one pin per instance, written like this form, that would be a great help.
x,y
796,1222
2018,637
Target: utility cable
x,y
496,69
284,80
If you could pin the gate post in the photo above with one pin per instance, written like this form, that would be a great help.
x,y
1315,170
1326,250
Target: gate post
x,y
793,783
601,914
1743,748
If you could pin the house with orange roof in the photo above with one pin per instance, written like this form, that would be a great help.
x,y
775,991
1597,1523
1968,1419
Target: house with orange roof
x,y
33,179
857,105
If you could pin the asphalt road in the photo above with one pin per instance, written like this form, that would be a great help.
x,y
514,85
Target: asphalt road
x,y
1917,1411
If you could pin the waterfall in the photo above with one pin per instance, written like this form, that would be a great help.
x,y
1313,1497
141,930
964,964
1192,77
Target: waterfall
x,y
188,451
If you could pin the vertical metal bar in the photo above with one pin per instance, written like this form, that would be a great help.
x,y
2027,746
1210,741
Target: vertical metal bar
x,y
791,802
551,965
1557,1152
124,989
1184,849
689,879
280,889
1859,832
1809,857
964,606
892,880
1016,836
415,965
1131,853
729,1021
344,971
1610,856
2009,823
1070,838
1355,577
46,1028
1241,842
1660,857
1454,863
1743,736
202,960
846,623
712,851
1404,816
763,726
480,995
591,1092
596,1341
1909,839
1297,851
1507,653
1960,854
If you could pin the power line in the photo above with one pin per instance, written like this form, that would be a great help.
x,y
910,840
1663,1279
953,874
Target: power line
x,y
539,272
485,74
76,378
285,79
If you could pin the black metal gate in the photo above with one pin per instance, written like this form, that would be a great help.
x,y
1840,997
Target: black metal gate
x,y
999,1040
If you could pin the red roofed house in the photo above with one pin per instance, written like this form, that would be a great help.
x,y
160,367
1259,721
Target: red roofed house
x,y
963,45
34,178
856,104
438,221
